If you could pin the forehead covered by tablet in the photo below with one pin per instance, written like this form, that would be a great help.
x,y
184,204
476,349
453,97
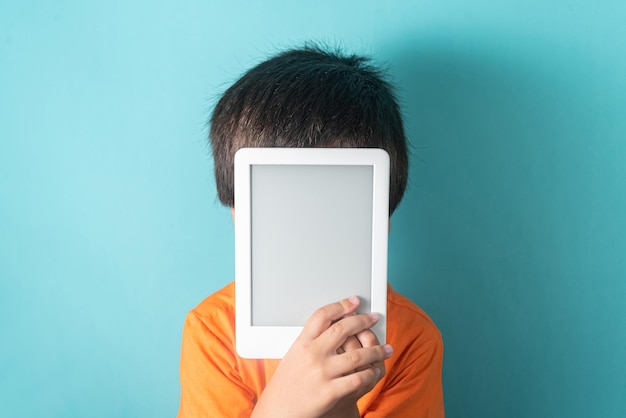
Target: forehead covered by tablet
x,y
311,229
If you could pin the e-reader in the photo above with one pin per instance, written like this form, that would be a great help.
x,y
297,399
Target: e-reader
x,y
311,229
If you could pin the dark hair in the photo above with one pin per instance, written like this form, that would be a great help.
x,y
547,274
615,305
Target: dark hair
x,y
309,97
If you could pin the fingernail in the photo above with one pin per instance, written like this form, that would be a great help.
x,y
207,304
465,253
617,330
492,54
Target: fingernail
x,y
388,350
373,315
353,300
377,371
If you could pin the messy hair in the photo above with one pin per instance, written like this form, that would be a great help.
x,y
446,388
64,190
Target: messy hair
x,y
309,97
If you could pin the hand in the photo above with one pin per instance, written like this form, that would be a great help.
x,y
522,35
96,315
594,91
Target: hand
x,y
347,407
313,378
365,338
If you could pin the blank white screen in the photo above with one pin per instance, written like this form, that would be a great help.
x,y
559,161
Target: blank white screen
x,y
311,239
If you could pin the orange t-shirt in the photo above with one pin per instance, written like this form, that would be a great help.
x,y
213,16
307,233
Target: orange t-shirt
x,y
216,382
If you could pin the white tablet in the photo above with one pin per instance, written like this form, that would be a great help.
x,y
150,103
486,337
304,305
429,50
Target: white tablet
x,y
311,228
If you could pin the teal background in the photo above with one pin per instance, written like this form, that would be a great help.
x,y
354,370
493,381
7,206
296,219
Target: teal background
x,y
512,235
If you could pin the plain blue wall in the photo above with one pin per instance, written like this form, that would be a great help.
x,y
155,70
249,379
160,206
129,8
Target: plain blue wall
x,y
512,235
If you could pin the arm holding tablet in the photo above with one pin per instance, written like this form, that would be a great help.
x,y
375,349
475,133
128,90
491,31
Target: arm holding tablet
x,y
313,365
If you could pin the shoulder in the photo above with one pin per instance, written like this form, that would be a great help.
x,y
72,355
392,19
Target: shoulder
x,y
409,325
215,314
398,303
222,300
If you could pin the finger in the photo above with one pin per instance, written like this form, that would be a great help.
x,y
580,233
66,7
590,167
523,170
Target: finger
x,y
380,365
324,317
337,334
367,338
349,362
351,344
357,383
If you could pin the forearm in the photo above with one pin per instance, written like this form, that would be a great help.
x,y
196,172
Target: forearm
x,y
315,379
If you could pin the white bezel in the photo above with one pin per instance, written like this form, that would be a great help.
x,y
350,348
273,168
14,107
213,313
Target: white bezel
x,y
274,341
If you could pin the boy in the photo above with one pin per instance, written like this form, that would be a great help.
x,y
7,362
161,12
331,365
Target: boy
x,y
309,97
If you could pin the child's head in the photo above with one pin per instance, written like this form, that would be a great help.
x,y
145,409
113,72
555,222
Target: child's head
x,y
309,98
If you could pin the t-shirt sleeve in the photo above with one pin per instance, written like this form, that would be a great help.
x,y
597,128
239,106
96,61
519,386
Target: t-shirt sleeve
x,y
210,383
414,388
